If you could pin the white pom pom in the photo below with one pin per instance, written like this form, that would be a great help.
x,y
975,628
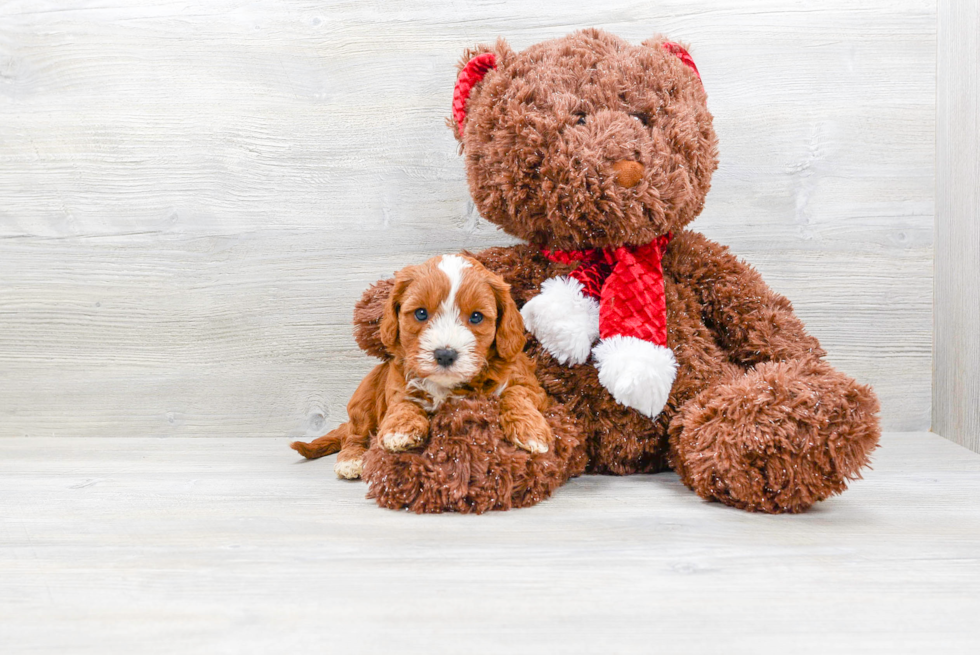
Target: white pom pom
x,y
638,374
563,319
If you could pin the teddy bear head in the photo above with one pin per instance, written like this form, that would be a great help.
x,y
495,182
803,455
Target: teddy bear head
x,y
585,141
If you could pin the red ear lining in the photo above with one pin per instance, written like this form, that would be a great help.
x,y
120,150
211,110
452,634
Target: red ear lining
x,y
470,76
682,54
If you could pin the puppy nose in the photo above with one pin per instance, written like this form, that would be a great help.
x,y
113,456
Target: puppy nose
x,y
628,173
445,356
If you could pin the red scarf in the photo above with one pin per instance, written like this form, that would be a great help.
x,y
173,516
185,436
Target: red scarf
x,y
628,282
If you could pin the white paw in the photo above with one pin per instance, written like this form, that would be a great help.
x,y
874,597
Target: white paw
x,y
350,469
563,319
531,445
399,441
637,373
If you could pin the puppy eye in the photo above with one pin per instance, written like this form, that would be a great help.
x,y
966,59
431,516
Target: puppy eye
x,y
476,318
421,314
643,118
580,120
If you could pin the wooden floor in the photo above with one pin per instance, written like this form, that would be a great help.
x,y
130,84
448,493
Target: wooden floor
x,y
234,546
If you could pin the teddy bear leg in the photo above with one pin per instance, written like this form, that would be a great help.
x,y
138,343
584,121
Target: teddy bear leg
x,y
469,465
776,439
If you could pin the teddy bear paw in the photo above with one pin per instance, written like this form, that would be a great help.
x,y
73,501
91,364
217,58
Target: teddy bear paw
x,y
638,374
563,319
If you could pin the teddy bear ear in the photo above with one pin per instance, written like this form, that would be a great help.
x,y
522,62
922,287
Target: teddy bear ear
x,y
473,67
677,49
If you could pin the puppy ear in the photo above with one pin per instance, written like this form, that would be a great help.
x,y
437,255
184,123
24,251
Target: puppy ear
x,y
510,338
389,320
367,318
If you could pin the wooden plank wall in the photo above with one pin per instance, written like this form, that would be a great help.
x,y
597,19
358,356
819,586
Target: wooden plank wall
x,y
192,195
956,393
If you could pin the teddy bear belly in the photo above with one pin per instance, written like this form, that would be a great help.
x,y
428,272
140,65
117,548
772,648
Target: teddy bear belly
x,y
619,439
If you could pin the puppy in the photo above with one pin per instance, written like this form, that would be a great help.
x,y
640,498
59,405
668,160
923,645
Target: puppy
x,y
452,328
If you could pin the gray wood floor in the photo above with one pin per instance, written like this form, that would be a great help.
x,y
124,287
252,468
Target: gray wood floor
x,y
233,546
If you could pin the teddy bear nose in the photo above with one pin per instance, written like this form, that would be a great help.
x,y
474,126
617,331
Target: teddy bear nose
x,y
628,173
445,356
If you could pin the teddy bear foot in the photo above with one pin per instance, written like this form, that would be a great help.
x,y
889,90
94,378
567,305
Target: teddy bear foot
x,y
468,464
777,439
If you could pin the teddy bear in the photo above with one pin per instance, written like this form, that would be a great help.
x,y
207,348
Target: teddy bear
x,y
662,348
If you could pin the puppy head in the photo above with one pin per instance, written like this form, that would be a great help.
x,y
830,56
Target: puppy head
x,y
449,318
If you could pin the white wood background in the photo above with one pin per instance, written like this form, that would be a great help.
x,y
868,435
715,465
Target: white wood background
x,y
192,195
956,390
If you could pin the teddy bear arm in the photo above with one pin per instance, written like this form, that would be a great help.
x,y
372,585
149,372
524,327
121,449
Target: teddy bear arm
x,y
750,321
788,431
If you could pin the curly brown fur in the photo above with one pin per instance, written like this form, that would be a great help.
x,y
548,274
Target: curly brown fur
x,y
546,128
755,419
777,439
469,466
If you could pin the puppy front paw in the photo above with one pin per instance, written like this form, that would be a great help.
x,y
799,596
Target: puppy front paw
x,y
403,428
532,445
563,319
398,433
399,441
532,433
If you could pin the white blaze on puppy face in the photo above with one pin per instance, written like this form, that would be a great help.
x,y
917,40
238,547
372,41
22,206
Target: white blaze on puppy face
x,y
446,330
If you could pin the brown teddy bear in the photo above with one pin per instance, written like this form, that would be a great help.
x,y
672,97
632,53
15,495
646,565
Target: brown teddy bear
x,y
665,350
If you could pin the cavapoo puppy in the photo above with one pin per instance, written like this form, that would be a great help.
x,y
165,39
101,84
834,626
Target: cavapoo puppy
x,y
451,328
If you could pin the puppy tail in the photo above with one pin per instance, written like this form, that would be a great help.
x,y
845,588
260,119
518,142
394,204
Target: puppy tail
x,y
328,444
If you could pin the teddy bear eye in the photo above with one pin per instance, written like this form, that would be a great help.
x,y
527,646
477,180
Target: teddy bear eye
x,y
476,318
421,314
643,118
580,120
